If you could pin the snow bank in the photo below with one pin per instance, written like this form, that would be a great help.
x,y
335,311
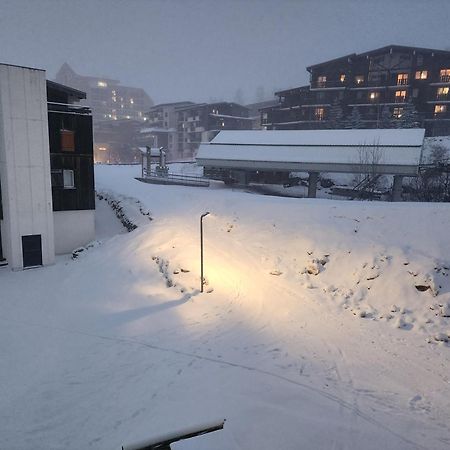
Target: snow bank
x,y
323,325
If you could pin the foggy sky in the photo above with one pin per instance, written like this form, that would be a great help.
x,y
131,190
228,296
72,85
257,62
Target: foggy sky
x,y
207,49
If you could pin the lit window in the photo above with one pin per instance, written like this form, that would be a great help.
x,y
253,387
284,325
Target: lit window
x,y
402,78
359,79
319,113
443,91
438,109
421,74
103,149
397,113
102,84
400,96
114,98
342,77
321,81
68,179
113,93
373,95
131,101
445,75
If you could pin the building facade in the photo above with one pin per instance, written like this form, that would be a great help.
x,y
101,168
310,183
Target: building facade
x,y
46,169
161,128
201,122
108,99
390,87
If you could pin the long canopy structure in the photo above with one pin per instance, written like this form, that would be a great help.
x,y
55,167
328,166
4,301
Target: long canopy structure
x,y
387,151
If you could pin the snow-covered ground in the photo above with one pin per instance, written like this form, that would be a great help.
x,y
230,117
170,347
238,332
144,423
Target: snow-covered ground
x,y
322,325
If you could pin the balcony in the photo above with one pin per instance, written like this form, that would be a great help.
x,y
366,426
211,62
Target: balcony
x,y
444,78
328,85
402,82
443,97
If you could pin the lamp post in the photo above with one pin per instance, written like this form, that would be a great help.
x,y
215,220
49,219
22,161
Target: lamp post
x,y
201,250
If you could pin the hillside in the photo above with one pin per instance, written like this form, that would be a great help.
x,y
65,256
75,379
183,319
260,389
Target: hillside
x,y
324,324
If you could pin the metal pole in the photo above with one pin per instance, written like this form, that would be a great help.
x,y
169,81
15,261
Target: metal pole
x,y
201,250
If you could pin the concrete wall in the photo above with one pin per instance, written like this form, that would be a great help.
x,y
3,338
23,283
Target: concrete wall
x,y
73,229
25,162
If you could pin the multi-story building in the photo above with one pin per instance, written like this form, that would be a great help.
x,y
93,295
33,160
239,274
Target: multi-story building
x,y
46,168
380,87
254,111
201,122
108,99
117,112
161,129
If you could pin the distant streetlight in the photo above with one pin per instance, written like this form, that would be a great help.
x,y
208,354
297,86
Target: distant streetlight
x,y
202,281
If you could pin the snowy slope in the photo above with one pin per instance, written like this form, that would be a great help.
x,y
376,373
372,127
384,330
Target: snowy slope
x,y
313,334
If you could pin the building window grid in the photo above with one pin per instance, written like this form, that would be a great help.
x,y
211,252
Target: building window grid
x,y
321,81
402,79
442,93
400,96
319,113
421,74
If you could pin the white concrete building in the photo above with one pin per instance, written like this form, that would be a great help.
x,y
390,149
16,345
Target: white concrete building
x,y
27,217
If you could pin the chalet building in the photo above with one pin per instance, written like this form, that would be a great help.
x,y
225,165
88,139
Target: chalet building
x,y
161,129
390,87
254,110
108,99
201,122
46,168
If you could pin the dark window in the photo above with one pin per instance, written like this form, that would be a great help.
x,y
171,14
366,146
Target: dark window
x,y
57,178
32,250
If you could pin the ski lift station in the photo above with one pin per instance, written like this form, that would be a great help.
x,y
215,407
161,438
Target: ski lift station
x,y
262,155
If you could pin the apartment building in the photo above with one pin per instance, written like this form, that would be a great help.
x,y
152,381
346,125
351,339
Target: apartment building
x,y
201,122
108,99
379,87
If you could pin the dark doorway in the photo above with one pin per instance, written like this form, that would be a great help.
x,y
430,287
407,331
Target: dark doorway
x,y
32,250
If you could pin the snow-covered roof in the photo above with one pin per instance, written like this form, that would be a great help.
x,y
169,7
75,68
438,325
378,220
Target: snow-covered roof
x,y
388,137
392,151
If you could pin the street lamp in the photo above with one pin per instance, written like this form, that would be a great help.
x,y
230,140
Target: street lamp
x,y
201,250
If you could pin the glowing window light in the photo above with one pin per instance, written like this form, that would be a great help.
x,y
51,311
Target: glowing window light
x,y
102,84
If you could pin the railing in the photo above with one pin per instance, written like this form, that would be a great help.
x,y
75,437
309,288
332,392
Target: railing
x,y
327,84
443,97
445,78
191,179
68,108
402,82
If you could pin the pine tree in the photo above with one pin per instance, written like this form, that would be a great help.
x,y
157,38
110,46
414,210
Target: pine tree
x,y
386,118
354,119
409,118
336,115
